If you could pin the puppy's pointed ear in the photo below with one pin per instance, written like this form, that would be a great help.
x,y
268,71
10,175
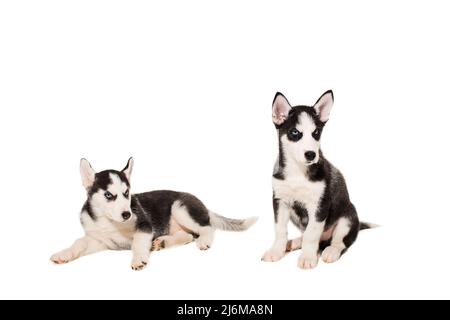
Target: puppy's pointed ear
x,y
128,168
280,109
87,173
323,106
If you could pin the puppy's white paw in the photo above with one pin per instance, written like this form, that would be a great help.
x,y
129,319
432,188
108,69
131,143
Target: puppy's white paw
x,y
272,256
139,262
62,257
307,262
331,254
203,243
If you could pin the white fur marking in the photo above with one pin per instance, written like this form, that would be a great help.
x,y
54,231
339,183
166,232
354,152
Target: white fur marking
x,y
311,237
278,249
141,246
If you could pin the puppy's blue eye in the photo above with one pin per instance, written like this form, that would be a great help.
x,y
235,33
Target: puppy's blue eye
x,y
294,134
126,193
108,195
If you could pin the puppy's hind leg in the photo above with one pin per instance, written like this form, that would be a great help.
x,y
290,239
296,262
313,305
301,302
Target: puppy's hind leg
x,y
80,247
178,238
343,236
205,238
192,215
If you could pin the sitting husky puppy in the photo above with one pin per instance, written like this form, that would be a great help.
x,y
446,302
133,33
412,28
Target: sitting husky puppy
x,y
115,219
307,189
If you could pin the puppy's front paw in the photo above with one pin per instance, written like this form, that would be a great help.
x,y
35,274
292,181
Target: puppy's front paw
x,y
306,262
139,263
62,257
331,254
272,256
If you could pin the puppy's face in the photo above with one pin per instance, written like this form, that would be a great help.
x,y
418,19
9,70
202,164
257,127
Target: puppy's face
x,y
300,127
108,191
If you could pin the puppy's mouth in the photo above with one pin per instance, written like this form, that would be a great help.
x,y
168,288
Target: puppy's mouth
x,y
311,162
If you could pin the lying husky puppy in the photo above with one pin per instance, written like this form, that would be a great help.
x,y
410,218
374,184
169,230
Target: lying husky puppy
x,y
307,189
115,219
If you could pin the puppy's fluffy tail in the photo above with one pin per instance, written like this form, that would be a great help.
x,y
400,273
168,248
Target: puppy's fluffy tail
x,y
367,225
227,224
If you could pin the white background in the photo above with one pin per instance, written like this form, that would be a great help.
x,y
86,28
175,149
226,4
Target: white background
x,y
186,88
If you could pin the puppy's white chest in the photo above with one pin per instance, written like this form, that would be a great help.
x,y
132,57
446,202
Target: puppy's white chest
x,y
116,236
299,189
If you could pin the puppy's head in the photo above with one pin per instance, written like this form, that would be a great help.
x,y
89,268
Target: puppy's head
x,y
108,191
300,127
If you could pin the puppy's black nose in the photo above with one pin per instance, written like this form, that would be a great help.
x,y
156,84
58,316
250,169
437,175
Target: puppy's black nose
x,y
126,215
310,155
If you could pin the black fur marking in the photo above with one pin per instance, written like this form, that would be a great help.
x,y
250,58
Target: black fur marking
x,y
276,206
279,174
302,213
364,226
320,170
143,217
88,209
323,244
317,133
354,228
197,210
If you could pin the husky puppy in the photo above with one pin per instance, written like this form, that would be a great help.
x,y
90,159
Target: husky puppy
x,y
115,219
307,189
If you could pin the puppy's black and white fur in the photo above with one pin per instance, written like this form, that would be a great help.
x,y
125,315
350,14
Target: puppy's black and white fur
x,y
115,219
307,189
